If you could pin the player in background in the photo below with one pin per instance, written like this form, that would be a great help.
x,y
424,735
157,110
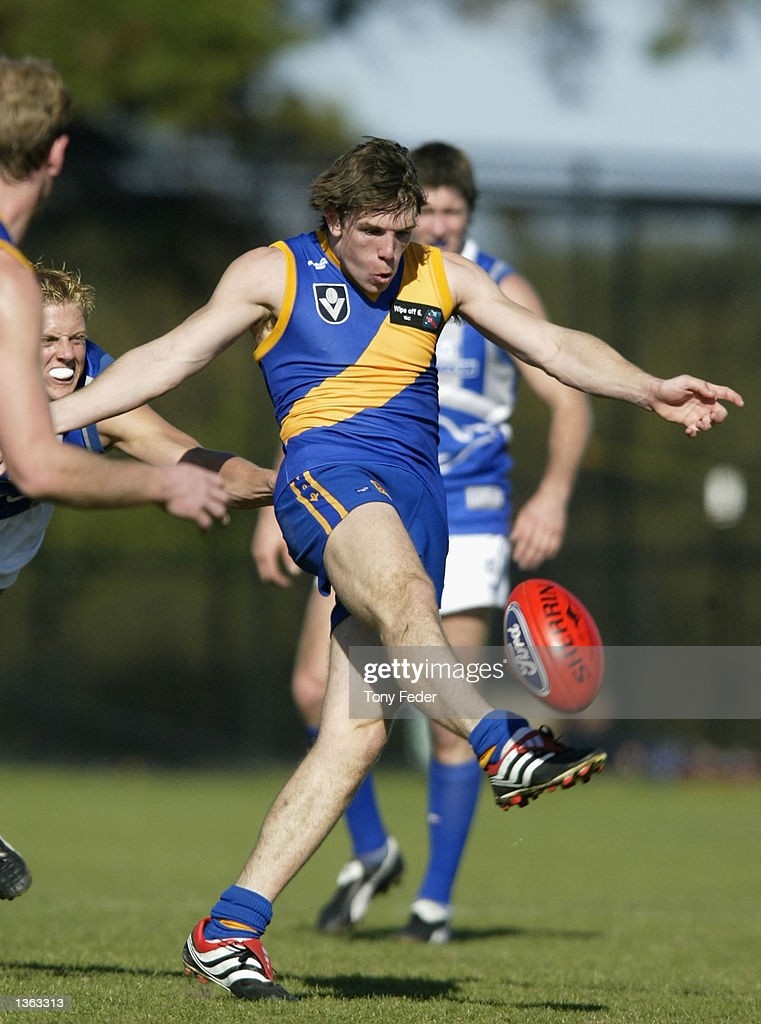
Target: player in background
x,y
15,876
477,392
70,360
344,322
34,113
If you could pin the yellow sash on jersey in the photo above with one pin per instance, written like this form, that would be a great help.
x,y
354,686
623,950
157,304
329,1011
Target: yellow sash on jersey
x,y
392,360
11,249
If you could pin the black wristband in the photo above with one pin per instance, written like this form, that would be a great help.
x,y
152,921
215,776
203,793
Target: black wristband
x,y
206,458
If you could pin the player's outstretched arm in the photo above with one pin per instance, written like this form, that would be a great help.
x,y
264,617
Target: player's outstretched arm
x,y
44,469
246,484
148,437
581,360
70,476
592,365
248,294
189,492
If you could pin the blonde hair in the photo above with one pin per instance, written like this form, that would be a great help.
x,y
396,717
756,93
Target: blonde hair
x,y
64,287
35,107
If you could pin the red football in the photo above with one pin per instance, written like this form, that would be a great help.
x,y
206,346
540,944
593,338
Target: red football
x,y
553,645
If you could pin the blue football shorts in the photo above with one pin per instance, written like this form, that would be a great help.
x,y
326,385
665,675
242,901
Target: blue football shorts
x,y
309,507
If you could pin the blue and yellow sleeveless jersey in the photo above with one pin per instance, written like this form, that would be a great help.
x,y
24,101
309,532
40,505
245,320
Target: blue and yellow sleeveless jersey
x,y
353,379
12,502
8,245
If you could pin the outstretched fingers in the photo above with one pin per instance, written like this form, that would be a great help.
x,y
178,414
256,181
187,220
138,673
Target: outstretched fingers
x,y
695,403
716,393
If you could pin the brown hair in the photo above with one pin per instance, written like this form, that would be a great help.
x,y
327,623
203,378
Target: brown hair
x,y
376,176
439,164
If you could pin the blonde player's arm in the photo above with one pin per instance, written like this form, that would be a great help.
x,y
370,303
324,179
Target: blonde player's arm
x,y
249,293
145,435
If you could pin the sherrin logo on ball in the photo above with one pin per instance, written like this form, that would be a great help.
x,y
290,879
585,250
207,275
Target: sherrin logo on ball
x,y
553,645
524,659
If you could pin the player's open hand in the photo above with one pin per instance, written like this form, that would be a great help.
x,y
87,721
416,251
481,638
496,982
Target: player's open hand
x,y
537,532
247,485
693,402
194,493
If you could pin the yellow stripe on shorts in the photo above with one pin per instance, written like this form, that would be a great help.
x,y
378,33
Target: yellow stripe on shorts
x,y
333,502
310,505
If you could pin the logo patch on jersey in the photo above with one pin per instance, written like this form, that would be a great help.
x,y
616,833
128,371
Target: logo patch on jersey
x,y
332,302
410,314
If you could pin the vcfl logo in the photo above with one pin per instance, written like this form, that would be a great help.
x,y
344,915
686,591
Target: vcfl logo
x,y
332,302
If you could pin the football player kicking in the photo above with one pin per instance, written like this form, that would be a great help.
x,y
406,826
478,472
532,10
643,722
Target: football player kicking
x,y
345,321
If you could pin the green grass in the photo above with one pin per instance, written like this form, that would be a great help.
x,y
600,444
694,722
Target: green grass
x,y
617,903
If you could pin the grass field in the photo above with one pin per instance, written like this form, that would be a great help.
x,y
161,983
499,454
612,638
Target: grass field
x,y
624,901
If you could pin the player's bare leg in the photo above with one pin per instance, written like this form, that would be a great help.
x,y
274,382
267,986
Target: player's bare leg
x,y
303,813
320,789
374,568
385,586
376,572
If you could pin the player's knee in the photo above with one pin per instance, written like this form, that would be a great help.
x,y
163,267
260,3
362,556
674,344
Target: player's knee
x,y
308,693
412,600
308,702
447,748
360,741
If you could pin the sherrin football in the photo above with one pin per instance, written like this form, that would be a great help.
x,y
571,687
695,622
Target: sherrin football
x,y
553,645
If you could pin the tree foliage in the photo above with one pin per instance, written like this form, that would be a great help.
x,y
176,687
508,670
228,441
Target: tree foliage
x,y
571,24
179,60
188,62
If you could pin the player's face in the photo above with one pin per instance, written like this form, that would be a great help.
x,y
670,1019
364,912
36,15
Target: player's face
x,y
444,219
62,353
370,247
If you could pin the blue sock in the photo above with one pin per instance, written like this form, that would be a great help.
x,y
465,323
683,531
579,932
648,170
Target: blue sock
x,y
238,913
366,828
490,735
452,798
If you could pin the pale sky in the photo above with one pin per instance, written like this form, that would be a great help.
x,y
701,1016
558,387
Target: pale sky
x,y
408,71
